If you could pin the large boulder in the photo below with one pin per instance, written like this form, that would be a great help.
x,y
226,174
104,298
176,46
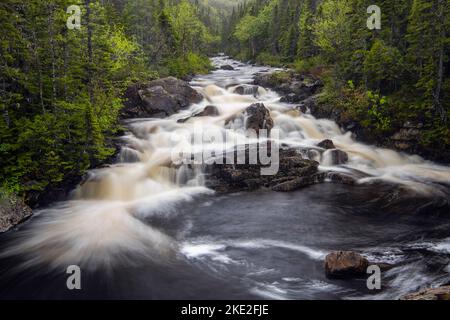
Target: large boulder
x,y
440,293
246,177
345,264
257,117
13,211
158,98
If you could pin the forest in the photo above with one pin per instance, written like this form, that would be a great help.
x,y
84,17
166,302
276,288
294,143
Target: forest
x,y
224,150
61,89
381,79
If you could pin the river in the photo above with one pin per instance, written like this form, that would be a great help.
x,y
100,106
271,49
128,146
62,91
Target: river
x,y
144,229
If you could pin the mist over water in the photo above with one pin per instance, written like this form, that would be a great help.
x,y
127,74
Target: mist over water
x,y
146,218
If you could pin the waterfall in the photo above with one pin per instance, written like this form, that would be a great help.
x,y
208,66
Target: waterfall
x,y
105,221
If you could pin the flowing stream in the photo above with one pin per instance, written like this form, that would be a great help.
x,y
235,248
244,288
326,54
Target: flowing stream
x,y
145,229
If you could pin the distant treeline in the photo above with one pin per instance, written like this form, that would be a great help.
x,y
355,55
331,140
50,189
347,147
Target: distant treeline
x,y
380,78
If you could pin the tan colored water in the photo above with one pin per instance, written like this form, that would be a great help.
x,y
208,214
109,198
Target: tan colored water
x,y
105,220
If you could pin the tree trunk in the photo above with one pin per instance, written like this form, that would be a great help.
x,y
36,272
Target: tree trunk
x,y
52,52
39,66
90,54
439,108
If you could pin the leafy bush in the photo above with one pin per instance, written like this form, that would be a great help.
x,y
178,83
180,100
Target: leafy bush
x,y
269,59
307,65
188,65
378,111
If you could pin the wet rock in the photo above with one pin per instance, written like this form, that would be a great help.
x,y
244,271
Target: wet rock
x,y
294,86
247,90
308,105
13,211
299,183
326,144
407,138
334,157
208,111
302,108
257,117
338,177
385,266
313,155
437,262
247,177
291,98
158,98
440,293
345,264
226,67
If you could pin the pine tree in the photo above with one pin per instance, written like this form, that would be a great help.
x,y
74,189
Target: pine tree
x,y
428,37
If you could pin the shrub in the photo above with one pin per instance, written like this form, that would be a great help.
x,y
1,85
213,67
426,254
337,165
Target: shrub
x,y
270,60
189,65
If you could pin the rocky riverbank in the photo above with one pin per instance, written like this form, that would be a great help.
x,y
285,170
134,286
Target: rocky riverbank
x,y
304,90
439,293
13,211
158,98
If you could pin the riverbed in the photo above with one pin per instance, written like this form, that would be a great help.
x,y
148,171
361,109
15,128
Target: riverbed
x,y
143,229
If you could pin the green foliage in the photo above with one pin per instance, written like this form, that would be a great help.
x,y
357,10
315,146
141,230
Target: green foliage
x,y
308,64
189,65
306,46
383,66
61,90
378,111
190,34
266,58
396,74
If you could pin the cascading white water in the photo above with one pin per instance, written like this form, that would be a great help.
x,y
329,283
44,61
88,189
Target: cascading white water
x,y
105,220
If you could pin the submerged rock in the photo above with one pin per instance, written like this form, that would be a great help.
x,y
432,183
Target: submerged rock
x,y
158,98
345,264
13,211
208,111
440,293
